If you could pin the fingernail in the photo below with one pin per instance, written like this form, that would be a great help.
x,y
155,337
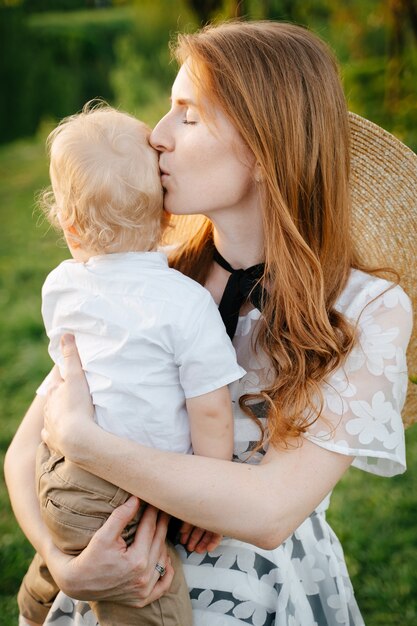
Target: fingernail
x,y
67,339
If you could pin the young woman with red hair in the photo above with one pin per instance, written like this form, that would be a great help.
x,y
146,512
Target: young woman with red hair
x,y
257,141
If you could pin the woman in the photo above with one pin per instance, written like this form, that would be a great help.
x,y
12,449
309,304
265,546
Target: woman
x,y
257,140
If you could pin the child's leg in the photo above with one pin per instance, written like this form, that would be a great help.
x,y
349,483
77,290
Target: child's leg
x,y
74,505
23,621
173,609
37,592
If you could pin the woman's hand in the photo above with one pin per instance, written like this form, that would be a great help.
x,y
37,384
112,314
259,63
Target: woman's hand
x,y
69,410
109,570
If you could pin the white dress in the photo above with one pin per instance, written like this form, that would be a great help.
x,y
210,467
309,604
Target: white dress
x,y
304,582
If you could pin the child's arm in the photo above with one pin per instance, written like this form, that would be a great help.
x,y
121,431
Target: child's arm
x,y
211,424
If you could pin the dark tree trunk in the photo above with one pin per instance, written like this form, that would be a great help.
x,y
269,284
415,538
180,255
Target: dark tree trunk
x,y
205,9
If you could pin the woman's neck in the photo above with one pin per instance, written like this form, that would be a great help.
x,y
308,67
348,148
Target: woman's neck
x,y
240,241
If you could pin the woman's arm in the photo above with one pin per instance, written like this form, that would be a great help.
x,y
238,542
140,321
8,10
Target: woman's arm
x,y
105,569
19,471
260,504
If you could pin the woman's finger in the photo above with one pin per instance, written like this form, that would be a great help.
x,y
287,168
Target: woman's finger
x,y
118,520
162,585
54,378
44,435
145,533
153,527
158,550
162,524
158,566
72,364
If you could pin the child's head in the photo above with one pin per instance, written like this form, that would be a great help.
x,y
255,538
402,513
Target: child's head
x,y
106,191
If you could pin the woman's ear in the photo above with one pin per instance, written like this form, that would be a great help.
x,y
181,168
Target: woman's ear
x,y
258,174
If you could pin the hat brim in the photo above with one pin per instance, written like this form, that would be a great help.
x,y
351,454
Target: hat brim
x,y
384,213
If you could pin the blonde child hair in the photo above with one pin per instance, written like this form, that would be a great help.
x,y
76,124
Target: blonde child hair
x,y
106,193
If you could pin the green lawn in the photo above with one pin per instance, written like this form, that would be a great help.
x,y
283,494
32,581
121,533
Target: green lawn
x,y
375,518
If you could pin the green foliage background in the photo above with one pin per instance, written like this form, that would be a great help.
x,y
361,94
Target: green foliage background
x,y
50,64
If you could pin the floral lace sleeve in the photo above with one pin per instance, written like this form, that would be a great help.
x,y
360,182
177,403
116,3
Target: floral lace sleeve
x,y
363,399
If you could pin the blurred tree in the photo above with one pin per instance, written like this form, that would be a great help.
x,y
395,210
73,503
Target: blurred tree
x,y
112,53
402,26
52,63
142,72
36,6
403,14
15,59
205,9
282,10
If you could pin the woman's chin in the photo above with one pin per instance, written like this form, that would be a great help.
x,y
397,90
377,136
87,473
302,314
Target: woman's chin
x,y
179,211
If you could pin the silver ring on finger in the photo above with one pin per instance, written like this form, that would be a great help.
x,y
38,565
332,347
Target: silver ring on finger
x,y
160,569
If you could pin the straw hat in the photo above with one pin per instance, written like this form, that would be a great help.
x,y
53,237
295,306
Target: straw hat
x,y
384,203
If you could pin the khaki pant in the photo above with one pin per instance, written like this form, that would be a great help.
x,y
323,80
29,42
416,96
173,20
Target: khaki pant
x,y
74,505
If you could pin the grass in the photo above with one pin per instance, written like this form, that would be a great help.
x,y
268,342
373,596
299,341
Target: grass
x,y
374,517
27,253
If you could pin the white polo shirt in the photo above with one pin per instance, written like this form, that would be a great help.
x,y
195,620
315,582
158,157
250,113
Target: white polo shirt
x,y
148,336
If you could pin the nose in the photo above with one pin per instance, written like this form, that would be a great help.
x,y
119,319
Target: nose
x,y
161,138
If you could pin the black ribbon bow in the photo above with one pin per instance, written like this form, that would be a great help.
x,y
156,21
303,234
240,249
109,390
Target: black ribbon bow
x,y
241,286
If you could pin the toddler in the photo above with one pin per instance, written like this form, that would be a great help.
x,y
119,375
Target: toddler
x,y
151,341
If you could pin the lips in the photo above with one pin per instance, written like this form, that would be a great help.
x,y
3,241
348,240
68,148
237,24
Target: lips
x,y
164,179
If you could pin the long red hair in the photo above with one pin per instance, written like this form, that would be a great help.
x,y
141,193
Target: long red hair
x,y
279,86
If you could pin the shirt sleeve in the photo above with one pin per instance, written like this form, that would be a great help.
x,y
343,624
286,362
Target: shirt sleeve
x,y
50,298
59,304
363,399
205,355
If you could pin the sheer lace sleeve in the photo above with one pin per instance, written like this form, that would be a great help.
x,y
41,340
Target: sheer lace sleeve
x,y
363,399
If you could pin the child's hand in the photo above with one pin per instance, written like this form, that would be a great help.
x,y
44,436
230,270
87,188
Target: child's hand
x,y
197,539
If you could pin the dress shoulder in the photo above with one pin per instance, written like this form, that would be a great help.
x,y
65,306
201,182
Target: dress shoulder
x,y
364,397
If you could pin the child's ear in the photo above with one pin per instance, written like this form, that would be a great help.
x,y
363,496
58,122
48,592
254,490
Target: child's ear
x,y
71,235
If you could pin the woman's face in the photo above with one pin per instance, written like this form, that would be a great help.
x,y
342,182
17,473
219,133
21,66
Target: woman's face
x,y
205,166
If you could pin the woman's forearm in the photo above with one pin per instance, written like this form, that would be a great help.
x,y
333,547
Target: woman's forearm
x,y
19,471
175,483
261,504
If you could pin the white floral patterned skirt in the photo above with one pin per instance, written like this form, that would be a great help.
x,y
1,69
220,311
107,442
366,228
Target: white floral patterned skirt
x,y
304,582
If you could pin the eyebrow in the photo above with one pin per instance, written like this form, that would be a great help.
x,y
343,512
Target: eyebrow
x,y
183,101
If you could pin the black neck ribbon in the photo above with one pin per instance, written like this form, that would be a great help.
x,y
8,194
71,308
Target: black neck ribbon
x,y
242,285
